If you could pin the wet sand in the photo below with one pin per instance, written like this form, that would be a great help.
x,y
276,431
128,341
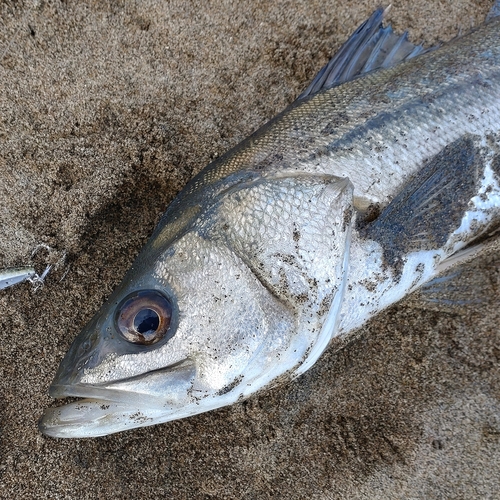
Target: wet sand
x,y
106,111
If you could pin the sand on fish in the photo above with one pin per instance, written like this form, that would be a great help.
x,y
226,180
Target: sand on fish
x,y
106,110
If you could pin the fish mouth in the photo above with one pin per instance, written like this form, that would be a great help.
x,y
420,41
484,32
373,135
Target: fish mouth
x,y
146,399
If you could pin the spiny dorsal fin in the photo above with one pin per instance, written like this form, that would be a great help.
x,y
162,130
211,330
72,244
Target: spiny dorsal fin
x,y
369,48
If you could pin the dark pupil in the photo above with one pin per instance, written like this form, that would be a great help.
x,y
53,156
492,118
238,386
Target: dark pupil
x,y
146,321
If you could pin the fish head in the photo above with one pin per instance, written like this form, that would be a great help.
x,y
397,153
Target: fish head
x,y
247,293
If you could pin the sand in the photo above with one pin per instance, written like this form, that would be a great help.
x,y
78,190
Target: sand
x,y
107,109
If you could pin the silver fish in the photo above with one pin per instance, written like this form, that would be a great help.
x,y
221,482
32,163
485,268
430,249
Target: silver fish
x,y
384,174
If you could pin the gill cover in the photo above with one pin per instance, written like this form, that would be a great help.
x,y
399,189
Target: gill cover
x,y
254,285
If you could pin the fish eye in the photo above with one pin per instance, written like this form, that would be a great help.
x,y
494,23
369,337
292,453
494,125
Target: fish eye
x,y
144,317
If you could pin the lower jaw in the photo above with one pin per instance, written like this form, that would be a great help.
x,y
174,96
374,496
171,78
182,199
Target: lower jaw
x,y
96,417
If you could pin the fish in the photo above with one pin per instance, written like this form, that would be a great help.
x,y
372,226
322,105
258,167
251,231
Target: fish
x,y
383,175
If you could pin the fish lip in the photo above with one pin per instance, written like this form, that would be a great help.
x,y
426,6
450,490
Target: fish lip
x,y
97,392
68,421
119,405
114,391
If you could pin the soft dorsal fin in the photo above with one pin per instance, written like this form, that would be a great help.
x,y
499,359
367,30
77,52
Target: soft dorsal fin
x,y
369,48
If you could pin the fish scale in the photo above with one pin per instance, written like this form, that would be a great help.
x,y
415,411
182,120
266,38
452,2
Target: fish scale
x,y
408,113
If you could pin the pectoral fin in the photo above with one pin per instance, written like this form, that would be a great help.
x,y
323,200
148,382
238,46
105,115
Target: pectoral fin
x,y
432,205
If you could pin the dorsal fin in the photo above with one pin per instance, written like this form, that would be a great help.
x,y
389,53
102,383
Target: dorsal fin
x,y
369,48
